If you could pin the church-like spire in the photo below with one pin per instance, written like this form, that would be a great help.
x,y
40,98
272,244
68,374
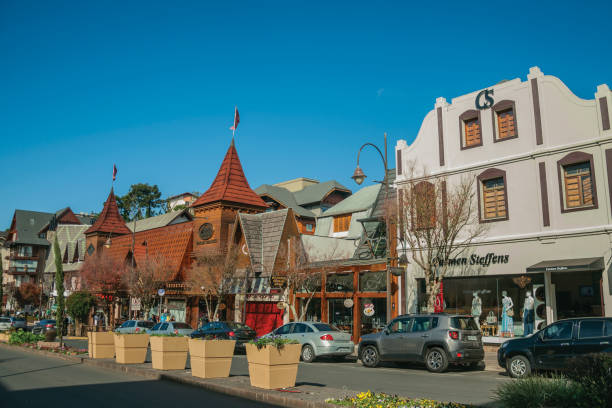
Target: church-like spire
x,y
109,221
231,185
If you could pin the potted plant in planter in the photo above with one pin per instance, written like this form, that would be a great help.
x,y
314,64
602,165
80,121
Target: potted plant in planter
x,y
101,344
211,357
169,351
131,348
273,362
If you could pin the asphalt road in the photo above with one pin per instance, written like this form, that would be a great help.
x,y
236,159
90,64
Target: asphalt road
x,y
29,380
458,384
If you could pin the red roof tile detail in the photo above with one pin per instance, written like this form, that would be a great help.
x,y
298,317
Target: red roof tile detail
x,y
230,184
109,220
172,242
68,217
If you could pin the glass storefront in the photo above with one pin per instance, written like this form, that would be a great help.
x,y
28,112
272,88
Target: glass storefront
x,y
340,315
339,282
578,294
313,309
373,314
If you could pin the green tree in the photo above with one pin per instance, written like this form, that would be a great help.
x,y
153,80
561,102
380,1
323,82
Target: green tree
x,y
141,197
59,289
78,306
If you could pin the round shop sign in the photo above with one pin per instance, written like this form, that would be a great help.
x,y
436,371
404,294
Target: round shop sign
x,y
161,292
222,306
368,309
281,305
348,303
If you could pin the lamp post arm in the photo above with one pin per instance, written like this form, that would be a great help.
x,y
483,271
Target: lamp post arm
x,y
379,152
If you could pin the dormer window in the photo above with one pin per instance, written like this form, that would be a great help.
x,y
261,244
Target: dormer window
x,y
504,121
470,129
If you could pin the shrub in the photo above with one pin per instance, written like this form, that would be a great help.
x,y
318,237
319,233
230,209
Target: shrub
x,y
536,392
21,337
274,341
594,373
370,400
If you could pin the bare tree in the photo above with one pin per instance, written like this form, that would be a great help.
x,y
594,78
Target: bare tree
x,y
438,221
143,280
103,276
211,276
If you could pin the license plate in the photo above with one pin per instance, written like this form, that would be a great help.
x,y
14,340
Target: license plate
x,y
472,338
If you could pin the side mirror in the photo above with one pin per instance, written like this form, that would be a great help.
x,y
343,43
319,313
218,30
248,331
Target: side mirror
x,y
386,331
541,335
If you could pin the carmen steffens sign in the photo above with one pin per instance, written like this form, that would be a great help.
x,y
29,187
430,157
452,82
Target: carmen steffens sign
x,y
474,259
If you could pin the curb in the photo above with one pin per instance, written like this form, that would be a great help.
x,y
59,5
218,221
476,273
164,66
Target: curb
x,y
266,396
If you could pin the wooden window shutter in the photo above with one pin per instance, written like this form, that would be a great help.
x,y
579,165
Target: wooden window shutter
x,y
506,124
494,198
472,132
342,223
578,185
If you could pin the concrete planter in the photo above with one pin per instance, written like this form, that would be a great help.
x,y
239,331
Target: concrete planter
x,y
272,368
4,337
131,348
101,344
211,358
169,353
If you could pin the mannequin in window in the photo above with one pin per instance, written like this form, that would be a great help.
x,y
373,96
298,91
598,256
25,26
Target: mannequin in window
x,y
528,314
507,324
476,308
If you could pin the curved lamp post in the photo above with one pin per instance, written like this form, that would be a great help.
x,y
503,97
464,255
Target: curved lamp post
x,y
359,176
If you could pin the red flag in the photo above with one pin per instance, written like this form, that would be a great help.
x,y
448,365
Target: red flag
x,y
114,172
236,119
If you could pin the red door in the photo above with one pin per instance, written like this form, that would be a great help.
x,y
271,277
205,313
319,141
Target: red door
x,y
263,317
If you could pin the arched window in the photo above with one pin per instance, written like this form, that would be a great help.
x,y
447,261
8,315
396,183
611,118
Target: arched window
x,y
504,121
577,187
470,129
492,195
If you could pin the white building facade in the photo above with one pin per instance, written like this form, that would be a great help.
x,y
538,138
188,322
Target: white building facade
x,y
542,161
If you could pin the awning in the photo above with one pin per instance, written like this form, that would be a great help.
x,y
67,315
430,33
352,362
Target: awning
x,y
568,265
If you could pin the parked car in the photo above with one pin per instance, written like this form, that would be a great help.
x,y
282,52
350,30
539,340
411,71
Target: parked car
x,y
5,323
317,339
19,323
434,339
180,328
552,347
43,326
135,326
227,330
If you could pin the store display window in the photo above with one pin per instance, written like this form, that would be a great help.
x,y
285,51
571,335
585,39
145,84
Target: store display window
x,y
339,282
373,281
311,310
373,314
340,314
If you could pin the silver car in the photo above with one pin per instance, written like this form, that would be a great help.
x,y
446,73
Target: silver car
x,y
19,323
317,339
5,323
182,329
135,326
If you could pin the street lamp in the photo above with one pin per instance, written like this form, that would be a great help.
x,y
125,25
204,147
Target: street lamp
x,y
359,177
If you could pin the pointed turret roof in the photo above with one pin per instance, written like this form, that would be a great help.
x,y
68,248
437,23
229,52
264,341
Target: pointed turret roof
x,y
230,184
109,221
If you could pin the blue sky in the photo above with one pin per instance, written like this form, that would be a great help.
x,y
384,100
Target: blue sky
x,y
152,88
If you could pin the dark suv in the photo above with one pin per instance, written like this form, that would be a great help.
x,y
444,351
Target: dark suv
x,y
434,339
552,347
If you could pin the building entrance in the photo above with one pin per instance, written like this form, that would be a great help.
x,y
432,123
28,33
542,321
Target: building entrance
x,y
578,294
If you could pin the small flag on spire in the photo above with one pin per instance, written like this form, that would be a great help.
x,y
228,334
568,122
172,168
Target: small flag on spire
x,y
236,119
114,172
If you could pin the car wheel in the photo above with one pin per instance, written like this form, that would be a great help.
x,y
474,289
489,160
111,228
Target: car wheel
x,y
436,360
370,357
518,366
308,354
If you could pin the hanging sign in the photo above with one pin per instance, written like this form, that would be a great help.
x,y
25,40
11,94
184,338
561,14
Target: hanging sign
x,y
135,303
348,303
278,281
368,309
161,292
222,306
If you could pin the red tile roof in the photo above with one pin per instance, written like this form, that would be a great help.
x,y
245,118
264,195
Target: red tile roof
x,y
109,220
173,243
230,184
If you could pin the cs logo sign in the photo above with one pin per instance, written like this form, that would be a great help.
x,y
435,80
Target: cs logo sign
x,y
484,99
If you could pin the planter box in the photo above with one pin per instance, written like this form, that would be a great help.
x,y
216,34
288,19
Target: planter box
x,y
169,353
4,337
101,344
211,358
271,368
48,344
131,348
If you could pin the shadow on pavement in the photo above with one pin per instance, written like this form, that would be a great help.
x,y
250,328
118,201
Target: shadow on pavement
x,y
39,369
123,394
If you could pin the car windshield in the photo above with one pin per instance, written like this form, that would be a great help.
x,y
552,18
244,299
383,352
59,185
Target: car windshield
x,y
19,319
238,325
156,327
464,323
181,326
147,324
5,320
325,327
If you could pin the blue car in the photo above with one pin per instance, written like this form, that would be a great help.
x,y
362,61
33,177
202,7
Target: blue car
x,y
226,330
179,328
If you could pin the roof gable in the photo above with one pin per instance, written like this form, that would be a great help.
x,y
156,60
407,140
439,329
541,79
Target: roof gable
x,y
170,218
362,200
285,198
230,184
109,220
27,225
317,192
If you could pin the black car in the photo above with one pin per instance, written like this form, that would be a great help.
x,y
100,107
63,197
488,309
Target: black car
x,y
226,330
553,346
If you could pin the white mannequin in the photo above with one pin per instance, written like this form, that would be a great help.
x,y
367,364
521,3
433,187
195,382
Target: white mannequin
x,y
476,308
528,314
529,302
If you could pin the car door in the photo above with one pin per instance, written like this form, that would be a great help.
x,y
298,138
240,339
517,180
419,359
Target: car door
x,y
284,331
415,339
299,332
591,337
553,348
393,341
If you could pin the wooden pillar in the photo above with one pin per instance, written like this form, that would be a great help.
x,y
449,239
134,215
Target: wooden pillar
x,y
356,306
324,315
